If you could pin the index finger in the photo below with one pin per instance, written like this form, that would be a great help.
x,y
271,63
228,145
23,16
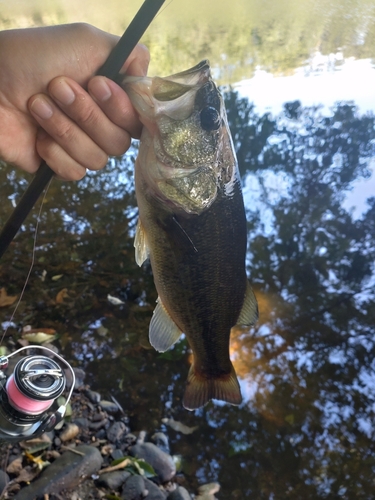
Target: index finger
x,y
137,62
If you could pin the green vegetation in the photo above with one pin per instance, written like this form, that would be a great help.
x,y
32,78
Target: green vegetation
x,y
237,37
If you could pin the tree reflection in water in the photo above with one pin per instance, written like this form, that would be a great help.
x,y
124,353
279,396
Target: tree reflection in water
x,y
305,429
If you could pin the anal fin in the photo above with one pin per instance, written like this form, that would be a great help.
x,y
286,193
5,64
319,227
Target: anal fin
x,y
163,330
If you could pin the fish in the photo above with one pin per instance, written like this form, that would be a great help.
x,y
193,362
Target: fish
x,y
192,226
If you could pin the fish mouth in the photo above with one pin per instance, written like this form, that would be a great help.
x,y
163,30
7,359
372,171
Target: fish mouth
x,y
176,88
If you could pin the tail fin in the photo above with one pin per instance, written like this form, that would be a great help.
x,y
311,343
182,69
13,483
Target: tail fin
x,y
200,389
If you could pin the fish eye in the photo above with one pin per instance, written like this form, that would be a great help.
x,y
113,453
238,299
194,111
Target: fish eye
x,y
210,118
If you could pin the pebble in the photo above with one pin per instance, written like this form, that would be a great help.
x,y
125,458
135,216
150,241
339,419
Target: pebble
x,y
113,480
100,415
130,439
117,432
180,493
98,425
161,441
207,491
70,432
134,488
4,480
93,396
161,462
64,473
116,454
79,375
154,493
82,422
109,406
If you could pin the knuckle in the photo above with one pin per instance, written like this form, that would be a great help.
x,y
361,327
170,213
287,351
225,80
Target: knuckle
x,y
57,159
88,116
65,131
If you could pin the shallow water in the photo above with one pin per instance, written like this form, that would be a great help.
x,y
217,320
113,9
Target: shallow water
x,y
305,429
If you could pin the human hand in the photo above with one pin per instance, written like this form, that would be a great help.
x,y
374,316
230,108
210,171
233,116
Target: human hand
x,y
44,115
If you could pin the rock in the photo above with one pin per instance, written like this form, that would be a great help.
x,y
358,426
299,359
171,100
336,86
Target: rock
x,y
109,406
4,480
98,416
70,432
161,462
82,422
113,480
134,488
154,493
117,432
180,493
130,439
79,376
161,441
93,396
207,491
65,473
116,454
95,426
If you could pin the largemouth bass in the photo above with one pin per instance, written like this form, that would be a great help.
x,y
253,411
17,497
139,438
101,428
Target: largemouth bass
x,y
192,225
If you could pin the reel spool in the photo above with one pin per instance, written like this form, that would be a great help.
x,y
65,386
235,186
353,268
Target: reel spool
x,y
28,393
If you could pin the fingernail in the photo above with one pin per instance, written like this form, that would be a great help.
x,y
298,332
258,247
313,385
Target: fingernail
x,y
42,108
63,93
100,90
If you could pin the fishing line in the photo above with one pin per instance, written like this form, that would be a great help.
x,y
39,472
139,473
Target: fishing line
x,y
32,262
163,9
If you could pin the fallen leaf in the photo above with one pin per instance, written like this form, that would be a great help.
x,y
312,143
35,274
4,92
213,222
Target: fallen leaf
x,y
31,443
63,294
15,466
57,277
114,300
36,460
39,337
5,299
48,331
102,330
179,426
27,474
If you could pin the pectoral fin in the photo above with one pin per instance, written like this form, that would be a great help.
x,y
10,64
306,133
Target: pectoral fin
x,y
249,313
140,244
163,330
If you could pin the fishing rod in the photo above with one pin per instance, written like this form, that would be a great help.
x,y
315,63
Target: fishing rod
x,y
110,69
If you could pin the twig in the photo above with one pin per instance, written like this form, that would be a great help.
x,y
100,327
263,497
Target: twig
x,y
119,466
72,449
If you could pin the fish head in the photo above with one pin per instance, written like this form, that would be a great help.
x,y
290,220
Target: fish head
x,y
186,151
